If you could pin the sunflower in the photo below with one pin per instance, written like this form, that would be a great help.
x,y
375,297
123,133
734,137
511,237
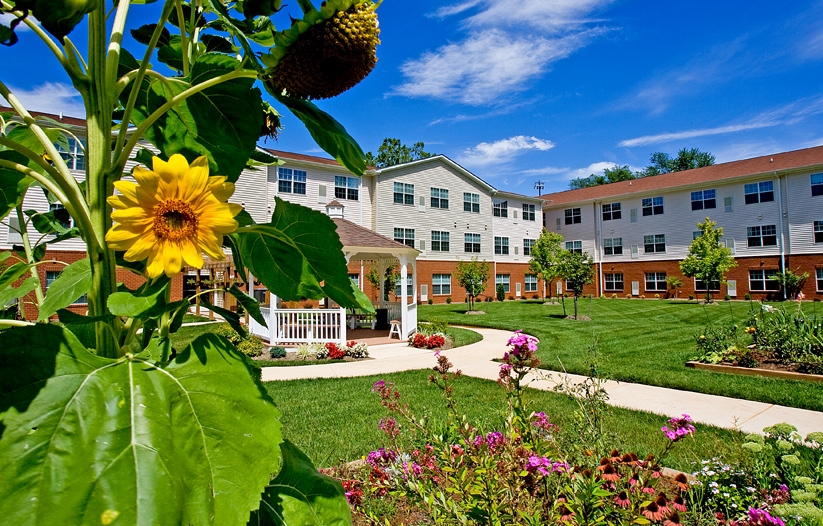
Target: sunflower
x,y
171,215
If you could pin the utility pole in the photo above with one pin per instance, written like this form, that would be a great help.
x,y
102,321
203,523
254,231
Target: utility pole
x,y
539,186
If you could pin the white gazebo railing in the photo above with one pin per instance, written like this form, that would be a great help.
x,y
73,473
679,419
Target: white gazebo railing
x,y
291,326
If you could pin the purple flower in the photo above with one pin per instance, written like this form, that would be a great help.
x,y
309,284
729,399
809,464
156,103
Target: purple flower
x,y
381,457
762,517
680,427
379,384
495,439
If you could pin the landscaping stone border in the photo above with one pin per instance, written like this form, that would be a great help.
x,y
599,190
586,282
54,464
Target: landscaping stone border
x,y
768,373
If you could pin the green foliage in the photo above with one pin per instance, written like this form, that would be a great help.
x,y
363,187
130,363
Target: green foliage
x,y
390,280
789,337
251,346
472,276
610,175
687,159
134,457
708,258
791,282
577,270
297,250
545,256
500,292
277,352
393,152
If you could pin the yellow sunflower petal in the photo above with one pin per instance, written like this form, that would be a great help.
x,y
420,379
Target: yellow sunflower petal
x,y
133,213
172,259
212,245
193,183
222,190
128,190
170,172
141,248
145,178
154,268
191,254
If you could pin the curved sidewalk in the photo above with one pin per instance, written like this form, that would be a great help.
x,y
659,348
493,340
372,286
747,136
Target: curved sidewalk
x,y
476,360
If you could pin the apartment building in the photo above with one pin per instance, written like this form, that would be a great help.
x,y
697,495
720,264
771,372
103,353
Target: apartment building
x,y
770,207
433,205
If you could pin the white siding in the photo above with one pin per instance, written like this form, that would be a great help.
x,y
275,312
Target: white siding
x,y
515,228
802,211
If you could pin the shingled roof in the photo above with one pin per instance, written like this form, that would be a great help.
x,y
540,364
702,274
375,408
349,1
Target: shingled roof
x,y
767,165
354,235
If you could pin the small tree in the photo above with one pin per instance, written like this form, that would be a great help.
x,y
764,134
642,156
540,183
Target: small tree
x,y
708,259
472,276
674,283
390,279
791,282
501,292
546,256
577,270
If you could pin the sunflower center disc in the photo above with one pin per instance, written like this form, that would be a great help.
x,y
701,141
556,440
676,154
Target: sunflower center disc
x,y
174,220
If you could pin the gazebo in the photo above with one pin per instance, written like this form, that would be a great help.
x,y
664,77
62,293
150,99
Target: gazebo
x,y
329,323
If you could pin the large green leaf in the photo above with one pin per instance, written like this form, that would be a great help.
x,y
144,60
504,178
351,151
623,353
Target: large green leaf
x,y
13,184
327,133
222,122
301,496
139,302
297,251
90,440
10,294
73,282
251,305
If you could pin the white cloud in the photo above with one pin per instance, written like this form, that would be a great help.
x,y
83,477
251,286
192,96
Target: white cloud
x,y
51,98
502,151
483,68
784,115
449,10
552,16
6,19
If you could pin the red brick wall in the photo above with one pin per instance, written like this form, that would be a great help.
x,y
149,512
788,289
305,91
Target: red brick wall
x,y
129,279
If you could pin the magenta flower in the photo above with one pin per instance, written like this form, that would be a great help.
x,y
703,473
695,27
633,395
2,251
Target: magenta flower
x,y
762,517
680,427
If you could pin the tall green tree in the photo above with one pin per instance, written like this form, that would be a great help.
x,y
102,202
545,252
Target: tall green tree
x,y
393,152
610,175
546,256
686,159
390,280
473,276
708,258
578,270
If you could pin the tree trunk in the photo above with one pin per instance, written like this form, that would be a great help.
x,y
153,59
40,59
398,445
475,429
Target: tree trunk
x,y
563,301
575,306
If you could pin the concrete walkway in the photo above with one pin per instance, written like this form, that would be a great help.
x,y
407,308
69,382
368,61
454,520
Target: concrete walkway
x,y
476,360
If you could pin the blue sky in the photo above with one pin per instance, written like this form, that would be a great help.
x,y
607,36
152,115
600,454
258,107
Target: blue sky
x,y
550,90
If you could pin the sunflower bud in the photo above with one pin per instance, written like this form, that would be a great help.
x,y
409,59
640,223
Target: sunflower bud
x,y
327,52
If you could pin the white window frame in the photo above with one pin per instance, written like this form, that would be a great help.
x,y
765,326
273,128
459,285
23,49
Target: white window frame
x,y
816,181
704,199
472,241
658,280
573,216
403,194
655,241
612,212
291,181
471,202
817,231
652,206
500,209
575,246
528,245
439,198
441,284
440,241
52,275
760,192
762,276
530,283
404,236
529,212
347,188
505,279
501,246
756,236
613,246
610,282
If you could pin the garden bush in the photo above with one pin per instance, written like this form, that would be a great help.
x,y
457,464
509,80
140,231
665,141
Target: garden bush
x,y
501,292
277,352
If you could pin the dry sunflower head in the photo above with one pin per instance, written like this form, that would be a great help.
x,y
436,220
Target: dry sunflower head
x,y
327,52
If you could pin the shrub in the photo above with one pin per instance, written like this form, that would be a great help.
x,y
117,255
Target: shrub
x,y
251,346
431,341
628,296
448,299
747,297
691,297
727,297
304,351
501,292
225,330
614,295
602,296
657,296
510,298
319,350
430,301
277,352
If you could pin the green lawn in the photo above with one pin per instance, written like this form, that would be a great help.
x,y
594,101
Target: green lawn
x,y
336,419
643,341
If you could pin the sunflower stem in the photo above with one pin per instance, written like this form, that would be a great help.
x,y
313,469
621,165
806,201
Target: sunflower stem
x,y
24,234
305,5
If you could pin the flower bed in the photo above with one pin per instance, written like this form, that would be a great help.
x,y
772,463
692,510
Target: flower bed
x,y
315,354
772,339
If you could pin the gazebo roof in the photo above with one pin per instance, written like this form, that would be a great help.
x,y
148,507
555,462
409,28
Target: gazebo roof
x,y
363,243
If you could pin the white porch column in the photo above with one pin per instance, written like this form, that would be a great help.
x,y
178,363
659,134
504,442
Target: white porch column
x,y
272,318
381,272
404,272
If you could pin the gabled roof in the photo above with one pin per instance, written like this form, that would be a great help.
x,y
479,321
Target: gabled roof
x,y
440,159
62,119
313,159
367,243
767,165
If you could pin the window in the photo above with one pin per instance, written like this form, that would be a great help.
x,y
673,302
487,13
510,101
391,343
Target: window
x,y
654,243
405,236
471,202
355,279
614,281
528,244
409,286
471,243
439,198
574,246
761,280
761,192
819,279
652,206
573,216
703,199
530,283
501,245
817,184
557,222
818,231
346,188
404,194
762,236
440,241
51,275
613,246
61,215
291,181
728,204
656,281
528,213
500,209
75,156
503,279
700,286
441,284
611,211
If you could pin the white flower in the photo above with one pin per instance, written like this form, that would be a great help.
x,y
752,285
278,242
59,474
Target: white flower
x,y
768,308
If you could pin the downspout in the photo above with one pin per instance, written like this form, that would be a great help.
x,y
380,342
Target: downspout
x,y
598,235
782,246
494,257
